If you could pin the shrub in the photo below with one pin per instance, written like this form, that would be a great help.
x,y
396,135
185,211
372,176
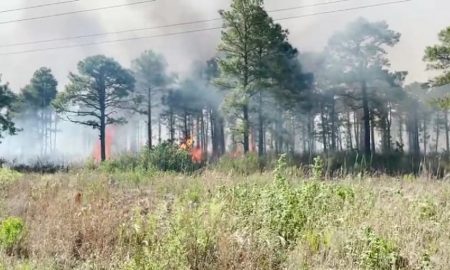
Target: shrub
x,y
183,239
286,211
8,176
169,157
427,209
11,232
163,157
379,253
125,162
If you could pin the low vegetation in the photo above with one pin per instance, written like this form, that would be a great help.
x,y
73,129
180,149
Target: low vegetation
x,y
129,219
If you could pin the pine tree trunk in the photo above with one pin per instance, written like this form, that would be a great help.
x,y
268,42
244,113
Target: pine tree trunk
x,y
437,131
372,135
246,131
389,127
102,125
357,128
425,136
400,129
366,119
149,120
171,126
159,130
349,132
447,138
333,124
260,127
324,129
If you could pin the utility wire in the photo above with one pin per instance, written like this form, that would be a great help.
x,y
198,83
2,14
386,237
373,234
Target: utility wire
x,y
311,5
197,30
75,12
38,6
156,27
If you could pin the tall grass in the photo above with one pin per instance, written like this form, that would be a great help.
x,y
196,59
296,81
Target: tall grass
x,y
113,219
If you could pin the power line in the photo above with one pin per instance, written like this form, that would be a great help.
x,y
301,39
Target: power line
x,y
312,5
107,33
76,12
155,27
344,10
38,6
197,30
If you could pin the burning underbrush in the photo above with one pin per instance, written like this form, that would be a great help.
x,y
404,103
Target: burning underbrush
x,y
166,157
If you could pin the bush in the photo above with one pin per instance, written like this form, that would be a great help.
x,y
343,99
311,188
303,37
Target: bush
x,y
11,232
380,253
427,209
284,209
169,157
8,176
165,157
181,237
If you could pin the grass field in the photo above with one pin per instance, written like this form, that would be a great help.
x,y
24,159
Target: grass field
x,y
92,219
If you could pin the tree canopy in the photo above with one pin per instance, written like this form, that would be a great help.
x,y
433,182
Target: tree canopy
x,y
95,96
7,99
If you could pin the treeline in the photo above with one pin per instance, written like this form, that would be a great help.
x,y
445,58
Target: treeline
x,y
258,94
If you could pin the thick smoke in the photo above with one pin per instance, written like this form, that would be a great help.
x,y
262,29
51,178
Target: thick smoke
x,y
417,26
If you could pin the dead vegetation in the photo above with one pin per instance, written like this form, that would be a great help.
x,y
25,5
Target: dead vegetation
x,y
95,220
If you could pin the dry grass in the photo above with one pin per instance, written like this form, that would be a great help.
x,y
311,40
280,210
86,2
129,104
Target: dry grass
x,y
94,220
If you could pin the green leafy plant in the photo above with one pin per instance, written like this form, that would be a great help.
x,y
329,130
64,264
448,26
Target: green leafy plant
x,y
427,209
169,157
379,253
8,176
11,233
166,157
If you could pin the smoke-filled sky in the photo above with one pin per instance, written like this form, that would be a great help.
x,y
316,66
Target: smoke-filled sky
x,y
419,21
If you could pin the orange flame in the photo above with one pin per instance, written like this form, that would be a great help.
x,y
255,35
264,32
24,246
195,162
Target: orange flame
x,y
196,153
108,145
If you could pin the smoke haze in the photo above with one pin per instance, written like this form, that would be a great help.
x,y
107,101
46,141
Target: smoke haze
x,y
418,21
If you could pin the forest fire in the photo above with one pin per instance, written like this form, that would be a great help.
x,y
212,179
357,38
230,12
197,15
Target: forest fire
x,y
108,145
195,152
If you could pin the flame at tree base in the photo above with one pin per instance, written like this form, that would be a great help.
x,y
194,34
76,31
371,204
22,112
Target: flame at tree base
x,y
195,152
97,153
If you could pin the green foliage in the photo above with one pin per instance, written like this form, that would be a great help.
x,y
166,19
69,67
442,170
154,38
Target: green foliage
x,y
11,232
379,253
94,96
438,58
7,99
185,232
169,157
182,238
8,176
284,210
41,91
427,209
255,57
165,157
426,263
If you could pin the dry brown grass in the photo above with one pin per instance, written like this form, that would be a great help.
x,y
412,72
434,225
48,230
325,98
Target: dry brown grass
x,y
76,220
